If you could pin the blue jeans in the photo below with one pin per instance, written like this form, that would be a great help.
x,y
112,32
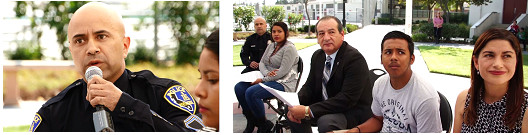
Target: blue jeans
x,y
251,96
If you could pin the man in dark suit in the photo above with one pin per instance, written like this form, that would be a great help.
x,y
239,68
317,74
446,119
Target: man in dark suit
x,y
337,94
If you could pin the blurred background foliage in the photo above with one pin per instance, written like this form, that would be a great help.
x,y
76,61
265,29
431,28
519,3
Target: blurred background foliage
x,y
190,22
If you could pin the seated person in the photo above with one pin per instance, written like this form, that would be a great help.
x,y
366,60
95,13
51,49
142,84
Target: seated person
x,y
495,101
403,102
279,65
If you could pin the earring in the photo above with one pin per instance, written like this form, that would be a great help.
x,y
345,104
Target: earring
x,y
478,72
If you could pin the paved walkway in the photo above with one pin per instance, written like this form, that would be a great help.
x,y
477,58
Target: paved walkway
x,y
367,40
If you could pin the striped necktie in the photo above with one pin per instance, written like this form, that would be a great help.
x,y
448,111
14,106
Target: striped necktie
x,y
326,76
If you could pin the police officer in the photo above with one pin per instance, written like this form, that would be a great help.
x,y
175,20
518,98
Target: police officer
x,y
255,45
136,101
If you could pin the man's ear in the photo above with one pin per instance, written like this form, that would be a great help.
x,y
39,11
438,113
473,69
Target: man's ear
x,y
126,45
412,59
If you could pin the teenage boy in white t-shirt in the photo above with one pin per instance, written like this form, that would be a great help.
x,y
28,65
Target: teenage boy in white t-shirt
x,y
403,102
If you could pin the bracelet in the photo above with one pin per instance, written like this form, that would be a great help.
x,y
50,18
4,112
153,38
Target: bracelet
x,y
358,129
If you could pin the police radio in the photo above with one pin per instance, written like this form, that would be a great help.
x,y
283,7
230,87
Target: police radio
x,y
102,119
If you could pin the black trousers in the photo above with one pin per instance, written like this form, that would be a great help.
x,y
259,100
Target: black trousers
x,y
330,122
437,33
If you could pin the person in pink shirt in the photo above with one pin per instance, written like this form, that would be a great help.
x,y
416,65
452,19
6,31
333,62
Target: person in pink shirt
x,y
437,26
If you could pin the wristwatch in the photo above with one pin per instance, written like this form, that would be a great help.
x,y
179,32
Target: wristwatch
x,y
307,115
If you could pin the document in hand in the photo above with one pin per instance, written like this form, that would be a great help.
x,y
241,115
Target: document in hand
x,y
251,76
291,99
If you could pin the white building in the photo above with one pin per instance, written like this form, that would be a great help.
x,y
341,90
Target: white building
x,y
498,14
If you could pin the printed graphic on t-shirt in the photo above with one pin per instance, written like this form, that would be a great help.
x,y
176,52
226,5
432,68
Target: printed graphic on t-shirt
x,y
394,117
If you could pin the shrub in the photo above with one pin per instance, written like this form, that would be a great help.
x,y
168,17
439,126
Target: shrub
x,y
474,39
143,54
301,30
420,37
385,20
312,28
458,18
238,29
351,27
449,30
24,52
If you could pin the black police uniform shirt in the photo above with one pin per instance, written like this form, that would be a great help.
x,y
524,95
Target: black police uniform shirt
x,y
253,49
148,103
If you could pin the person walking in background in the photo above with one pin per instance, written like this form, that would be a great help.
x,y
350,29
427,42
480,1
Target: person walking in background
x,y
279,67
254,46
437,26
207,89
495,101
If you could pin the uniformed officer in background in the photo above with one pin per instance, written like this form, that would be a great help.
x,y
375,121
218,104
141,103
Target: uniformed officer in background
x,y
255,45
136,101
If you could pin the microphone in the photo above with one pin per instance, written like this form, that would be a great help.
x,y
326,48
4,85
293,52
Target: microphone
x,y
102,119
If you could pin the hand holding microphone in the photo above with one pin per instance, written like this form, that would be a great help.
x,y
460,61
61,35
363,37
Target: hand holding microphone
x,y
101,93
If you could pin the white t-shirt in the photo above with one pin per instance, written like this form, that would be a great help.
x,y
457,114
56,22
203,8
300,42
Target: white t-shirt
x,y
412,109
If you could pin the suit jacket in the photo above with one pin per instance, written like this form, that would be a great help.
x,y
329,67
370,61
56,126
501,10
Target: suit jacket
x,y
348,86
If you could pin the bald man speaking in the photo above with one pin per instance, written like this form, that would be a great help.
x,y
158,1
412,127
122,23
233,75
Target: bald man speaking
x,y
135,101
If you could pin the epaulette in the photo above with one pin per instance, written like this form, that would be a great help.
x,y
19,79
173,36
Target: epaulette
x,y
63,93
153,79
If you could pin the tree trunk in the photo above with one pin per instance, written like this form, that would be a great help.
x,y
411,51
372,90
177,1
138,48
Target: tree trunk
x,y
308,16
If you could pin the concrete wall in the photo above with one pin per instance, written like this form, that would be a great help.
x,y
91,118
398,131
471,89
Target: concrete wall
x,y
477,12
484,23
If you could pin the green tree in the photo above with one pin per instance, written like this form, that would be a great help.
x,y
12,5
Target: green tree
x,y
189,22
247,14
56,16
294,19
305,3
237,16
273,14
429,5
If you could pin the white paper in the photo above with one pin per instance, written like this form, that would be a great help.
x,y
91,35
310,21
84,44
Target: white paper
x,y
251,76
291,99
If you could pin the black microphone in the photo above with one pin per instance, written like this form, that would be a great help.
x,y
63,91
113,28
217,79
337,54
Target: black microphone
x,y
102,119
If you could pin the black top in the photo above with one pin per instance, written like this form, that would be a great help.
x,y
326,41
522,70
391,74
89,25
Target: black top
x,y
490,117
148,103
253,49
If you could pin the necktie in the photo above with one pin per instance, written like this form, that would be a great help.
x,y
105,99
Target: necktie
x,y
326,76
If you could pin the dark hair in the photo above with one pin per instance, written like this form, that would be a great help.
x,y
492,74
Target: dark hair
x,y
340,27
515,91
212,43
398,35
284,27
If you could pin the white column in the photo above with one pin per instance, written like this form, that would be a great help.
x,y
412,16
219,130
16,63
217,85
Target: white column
x,y
409,14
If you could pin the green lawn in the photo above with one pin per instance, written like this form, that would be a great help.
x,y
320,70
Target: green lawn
x,y
453,61
22,128
237,51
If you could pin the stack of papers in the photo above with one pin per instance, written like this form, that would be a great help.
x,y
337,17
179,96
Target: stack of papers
x,y
251,76
291,99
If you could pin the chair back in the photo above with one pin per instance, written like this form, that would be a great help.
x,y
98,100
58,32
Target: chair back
x,y
374,74
446,113
300,72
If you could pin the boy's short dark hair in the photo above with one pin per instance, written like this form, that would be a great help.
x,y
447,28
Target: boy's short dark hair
x,y
398,35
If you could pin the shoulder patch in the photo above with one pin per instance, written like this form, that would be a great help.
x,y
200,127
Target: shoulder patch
x,y
36,122
194,122
178,96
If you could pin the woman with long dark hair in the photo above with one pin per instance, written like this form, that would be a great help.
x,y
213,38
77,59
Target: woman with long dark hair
x,y
279,68
207,89
495,101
